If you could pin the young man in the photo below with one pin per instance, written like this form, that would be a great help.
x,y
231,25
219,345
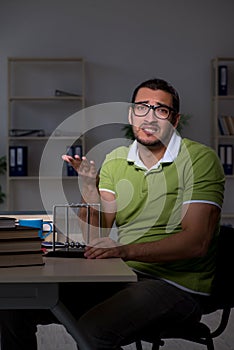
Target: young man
x,y
165,195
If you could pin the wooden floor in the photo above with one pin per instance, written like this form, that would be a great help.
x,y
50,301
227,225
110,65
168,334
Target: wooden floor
x,y
55,337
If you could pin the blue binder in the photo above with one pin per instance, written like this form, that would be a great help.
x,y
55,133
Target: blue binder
x,y
21,161
18,161
223,80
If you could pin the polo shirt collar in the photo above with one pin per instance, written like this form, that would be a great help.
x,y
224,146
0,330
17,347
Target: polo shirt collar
x,y
169,156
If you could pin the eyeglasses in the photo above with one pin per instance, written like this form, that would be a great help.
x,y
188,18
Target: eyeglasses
x,y
161,111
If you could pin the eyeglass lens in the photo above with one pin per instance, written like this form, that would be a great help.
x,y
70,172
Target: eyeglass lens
x,y
141,110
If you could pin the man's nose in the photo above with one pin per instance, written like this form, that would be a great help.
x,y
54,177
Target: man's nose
x,y
150,116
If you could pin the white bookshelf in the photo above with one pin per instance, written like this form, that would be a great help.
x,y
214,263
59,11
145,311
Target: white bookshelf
x,y
34,105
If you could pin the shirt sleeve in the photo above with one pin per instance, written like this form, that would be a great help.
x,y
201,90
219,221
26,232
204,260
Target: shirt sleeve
x,y
205,179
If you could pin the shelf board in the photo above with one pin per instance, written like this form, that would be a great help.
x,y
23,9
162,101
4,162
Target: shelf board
x,y
223,59
36,178
49,98
226,137
223,97
229,176
43,138
46,59
228,216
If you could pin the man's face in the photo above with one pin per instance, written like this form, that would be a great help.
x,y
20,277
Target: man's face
x,y
149,130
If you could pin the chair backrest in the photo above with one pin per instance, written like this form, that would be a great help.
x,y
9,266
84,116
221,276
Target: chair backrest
x,y
223,286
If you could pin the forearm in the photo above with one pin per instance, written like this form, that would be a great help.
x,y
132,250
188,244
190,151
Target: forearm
x,y
167,249
198,226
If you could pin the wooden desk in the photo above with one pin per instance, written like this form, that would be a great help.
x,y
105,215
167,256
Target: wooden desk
x,y
38,287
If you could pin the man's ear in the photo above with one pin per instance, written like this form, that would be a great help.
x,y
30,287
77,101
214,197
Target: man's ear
x,y
130,115
176,120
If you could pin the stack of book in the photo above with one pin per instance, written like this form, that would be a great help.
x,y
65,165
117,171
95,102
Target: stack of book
x,y
6,222
19,245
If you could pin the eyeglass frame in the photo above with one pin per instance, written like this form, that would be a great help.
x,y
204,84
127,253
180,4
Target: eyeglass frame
x,y
154,108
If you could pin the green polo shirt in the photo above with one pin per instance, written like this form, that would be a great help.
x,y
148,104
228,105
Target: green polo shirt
x,y
149,204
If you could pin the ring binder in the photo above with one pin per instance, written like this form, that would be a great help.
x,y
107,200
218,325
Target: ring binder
x,y
222,80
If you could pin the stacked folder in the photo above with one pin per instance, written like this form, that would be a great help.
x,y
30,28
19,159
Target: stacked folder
x,y
18,164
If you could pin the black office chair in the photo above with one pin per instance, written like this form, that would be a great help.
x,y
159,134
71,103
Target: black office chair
x,y
222,298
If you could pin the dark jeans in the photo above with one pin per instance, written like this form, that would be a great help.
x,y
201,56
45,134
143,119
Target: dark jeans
x,y
109,315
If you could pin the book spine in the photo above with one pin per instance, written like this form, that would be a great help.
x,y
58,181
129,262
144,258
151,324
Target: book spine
x,y
24,252
224,125
229,123
229,160
226,157
222,80
221,153
220,127
18,162
12,161
20,239
22,161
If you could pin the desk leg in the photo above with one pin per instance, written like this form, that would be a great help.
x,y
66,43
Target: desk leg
x,y
69,322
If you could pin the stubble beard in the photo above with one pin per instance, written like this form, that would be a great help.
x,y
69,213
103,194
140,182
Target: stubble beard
x,y
150,144
156,143
161,140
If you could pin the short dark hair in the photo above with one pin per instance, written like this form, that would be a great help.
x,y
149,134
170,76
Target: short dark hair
x,y
160,84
